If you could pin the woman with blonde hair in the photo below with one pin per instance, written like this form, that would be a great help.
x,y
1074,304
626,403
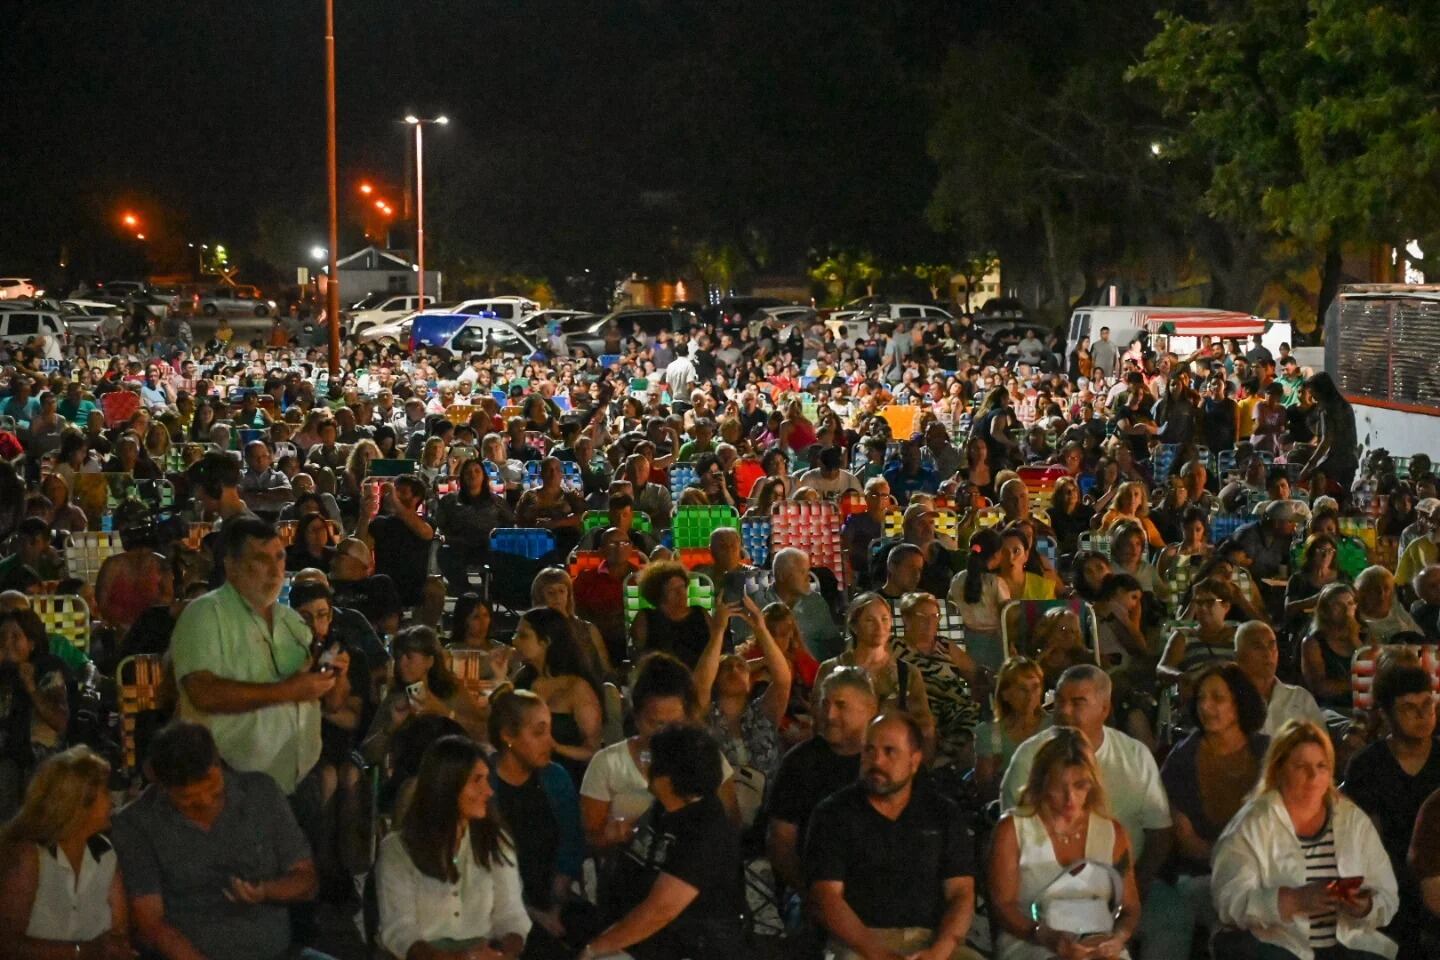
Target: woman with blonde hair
x,y
1300,871
1325,654
357,465
1062,880
61,892
1129,504
1018,704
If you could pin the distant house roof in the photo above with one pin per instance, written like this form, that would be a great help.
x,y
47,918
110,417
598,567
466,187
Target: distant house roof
x,y
373,258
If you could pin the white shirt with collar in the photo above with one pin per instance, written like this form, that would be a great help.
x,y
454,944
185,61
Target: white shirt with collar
x,y
1289,702
484,903
68,907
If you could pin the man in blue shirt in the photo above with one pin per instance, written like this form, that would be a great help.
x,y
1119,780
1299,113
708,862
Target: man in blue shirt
x,y
910,474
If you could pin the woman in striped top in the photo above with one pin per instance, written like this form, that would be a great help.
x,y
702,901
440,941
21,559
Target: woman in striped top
x,y
1300,870
1209,639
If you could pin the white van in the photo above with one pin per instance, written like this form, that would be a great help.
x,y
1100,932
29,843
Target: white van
x,y
1126,323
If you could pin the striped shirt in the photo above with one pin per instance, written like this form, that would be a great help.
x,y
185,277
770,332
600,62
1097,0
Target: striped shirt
x,y
1319,851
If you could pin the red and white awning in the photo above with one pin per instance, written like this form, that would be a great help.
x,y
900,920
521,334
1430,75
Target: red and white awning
x,y
1204,323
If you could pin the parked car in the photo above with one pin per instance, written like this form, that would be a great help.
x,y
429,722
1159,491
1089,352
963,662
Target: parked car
x,y
586,335
18,326
235,302
389,332
83,317
487,335
383,308
508,308
13,288
537,325
724,312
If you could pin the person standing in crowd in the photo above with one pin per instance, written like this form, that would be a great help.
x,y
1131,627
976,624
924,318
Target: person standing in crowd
x,y
1279,864
1335,456
242,661
212,856
890,864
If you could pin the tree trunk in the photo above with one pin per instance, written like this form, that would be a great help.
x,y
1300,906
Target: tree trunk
x,y
1330,272
1058,285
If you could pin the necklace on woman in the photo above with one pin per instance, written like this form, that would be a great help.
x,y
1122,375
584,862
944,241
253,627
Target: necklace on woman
x,y
1068,836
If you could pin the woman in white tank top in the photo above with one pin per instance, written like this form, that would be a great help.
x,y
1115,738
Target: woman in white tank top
x,y
1058,861
58,869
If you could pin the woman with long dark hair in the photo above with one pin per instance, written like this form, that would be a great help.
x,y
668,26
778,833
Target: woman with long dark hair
x,y
1336,453
466,518
422,686
447,878
566,681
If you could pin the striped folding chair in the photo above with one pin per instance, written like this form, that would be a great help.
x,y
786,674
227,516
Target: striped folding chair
x,y
140,680
65,614
472,669
87,551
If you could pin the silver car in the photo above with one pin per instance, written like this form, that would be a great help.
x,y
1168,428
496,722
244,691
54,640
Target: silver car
x,y
235,302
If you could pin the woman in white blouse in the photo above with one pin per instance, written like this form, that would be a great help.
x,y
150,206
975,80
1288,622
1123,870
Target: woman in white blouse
x,y
449,887
60,889
1300,868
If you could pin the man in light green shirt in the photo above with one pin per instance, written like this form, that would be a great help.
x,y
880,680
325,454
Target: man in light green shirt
x,y
242,662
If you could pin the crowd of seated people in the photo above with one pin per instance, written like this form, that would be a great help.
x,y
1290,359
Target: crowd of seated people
x,y
919,645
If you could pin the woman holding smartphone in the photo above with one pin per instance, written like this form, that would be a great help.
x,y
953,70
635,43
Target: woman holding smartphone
x,y
422,686
1300,870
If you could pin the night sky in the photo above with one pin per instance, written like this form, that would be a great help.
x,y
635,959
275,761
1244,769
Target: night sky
x,y
582,131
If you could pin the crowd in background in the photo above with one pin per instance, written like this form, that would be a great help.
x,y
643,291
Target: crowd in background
x,y
1123,652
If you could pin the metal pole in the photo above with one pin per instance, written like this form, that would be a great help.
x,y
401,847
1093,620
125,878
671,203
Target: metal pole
x,y
420,210
332,289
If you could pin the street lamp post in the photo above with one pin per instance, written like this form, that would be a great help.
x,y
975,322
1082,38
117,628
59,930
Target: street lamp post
x,y
332,287
419,124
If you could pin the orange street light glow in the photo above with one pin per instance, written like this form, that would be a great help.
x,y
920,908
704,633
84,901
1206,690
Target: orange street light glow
x,y
379,204
366,189
139,236
130,219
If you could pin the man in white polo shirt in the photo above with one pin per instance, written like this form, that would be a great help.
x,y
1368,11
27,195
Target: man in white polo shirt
x,y
1137,800
1258,656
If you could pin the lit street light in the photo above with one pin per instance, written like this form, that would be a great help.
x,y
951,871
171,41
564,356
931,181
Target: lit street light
x,y
419,124
130,220
366,189
318,253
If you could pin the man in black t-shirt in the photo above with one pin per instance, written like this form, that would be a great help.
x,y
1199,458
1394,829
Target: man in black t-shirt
x,y
813,770
1391,779
890,863
681,875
